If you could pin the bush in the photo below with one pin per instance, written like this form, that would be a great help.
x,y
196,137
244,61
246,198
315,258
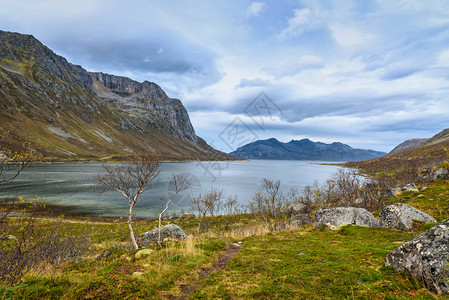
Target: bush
x,y
35,247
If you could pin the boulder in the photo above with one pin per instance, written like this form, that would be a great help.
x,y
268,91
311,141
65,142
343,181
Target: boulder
x,y
296,208
349,215
411,187
400,216
300,220
439,174
168,231
425,258
392,192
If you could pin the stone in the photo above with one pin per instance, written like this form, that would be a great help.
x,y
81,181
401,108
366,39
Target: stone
x,y
439,174
300,220
296,208
143,253
400,216
167,231
349,215
411,187
392,192
425,258
423,188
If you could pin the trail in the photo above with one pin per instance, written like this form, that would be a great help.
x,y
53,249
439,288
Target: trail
x,y
232,249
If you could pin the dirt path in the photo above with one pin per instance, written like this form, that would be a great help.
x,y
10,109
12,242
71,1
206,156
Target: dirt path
x,y
232,249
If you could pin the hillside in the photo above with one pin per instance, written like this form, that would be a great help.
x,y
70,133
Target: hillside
x,y
304,149
67,113
432,152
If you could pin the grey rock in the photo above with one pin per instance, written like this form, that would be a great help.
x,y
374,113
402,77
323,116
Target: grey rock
x,y
300,220
296,208
440,174
392,192
423,188
425,258
348,215
171,231
400,216
410,187
187,217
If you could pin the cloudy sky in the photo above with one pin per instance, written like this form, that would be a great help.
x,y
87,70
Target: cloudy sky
x,y
367,73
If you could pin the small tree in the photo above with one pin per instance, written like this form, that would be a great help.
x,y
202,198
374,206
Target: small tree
x,y
179,184
208,203
13,163
131,180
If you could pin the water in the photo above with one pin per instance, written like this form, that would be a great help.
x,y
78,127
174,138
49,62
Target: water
x,y
72,184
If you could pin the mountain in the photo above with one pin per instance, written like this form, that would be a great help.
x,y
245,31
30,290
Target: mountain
x,y
426,153
413,143
68,113
303,149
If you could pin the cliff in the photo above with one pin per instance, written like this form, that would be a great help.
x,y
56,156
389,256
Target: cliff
x,y
68,113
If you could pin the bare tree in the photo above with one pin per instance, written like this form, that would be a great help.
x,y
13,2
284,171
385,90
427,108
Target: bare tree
x,y
208,203
179,184
131,180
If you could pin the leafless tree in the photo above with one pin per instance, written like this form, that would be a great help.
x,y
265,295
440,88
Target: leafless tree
x,y
178,183
208,203
13,164
130,179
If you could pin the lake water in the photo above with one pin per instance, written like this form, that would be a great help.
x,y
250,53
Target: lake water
x,y
72,184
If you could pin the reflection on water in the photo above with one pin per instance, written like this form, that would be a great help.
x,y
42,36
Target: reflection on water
x,y
74,183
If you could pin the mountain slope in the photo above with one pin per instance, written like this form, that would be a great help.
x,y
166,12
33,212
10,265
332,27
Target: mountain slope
x,y
68,113
304,149
433,152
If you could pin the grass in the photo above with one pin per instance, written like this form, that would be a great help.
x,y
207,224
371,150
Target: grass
x,y
302,263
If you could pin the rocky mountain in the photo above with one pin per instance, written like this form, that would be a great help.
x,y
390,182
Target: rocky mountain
x,y
304,149
432,153
68,113
413,143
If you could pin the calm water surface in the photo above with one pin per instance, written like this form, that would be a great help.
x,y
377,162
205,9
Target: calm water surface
x,y
72,184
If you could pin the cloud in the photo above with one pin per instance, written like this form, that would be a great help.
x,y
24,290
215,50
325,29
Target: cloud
x,y
350,36
296,66
302,20
255,9
252,83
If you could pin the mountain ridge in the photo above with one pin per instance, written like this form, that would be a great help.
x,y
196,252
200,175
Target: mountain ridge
x,y
68,113
304,149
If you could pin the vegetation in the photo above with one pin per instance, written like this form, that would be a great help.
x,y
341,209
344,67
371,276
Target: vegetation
x,y
131,179
297,263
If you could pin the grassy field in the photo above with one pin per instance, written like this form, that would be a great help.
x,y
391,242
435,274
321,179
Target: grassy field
x,y
303,263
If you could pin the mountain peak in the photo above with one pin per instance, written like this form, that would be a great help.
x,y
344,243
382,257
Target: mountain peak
x,y
303,149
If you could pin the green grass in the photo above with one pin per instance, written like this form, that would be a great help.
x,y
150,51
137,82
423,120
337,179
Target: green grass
x,y
306,263
314,265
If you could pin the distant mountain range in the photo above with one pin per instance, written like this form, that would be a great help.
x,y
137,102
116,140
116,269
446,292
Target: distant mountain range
x,y
304,149
68,113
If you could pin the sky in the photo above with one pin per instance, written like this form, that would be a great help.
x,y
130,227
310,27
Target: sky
x,y
368,73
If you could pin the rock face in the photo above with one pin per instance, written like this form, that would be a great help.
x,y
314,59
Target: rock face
x,y
304,149
172,231
425,257
400,216
70,113
348,215
439,174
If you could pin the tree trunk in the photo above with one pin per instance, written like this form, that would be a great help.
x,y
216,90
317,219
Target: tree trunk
x,y
131,231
